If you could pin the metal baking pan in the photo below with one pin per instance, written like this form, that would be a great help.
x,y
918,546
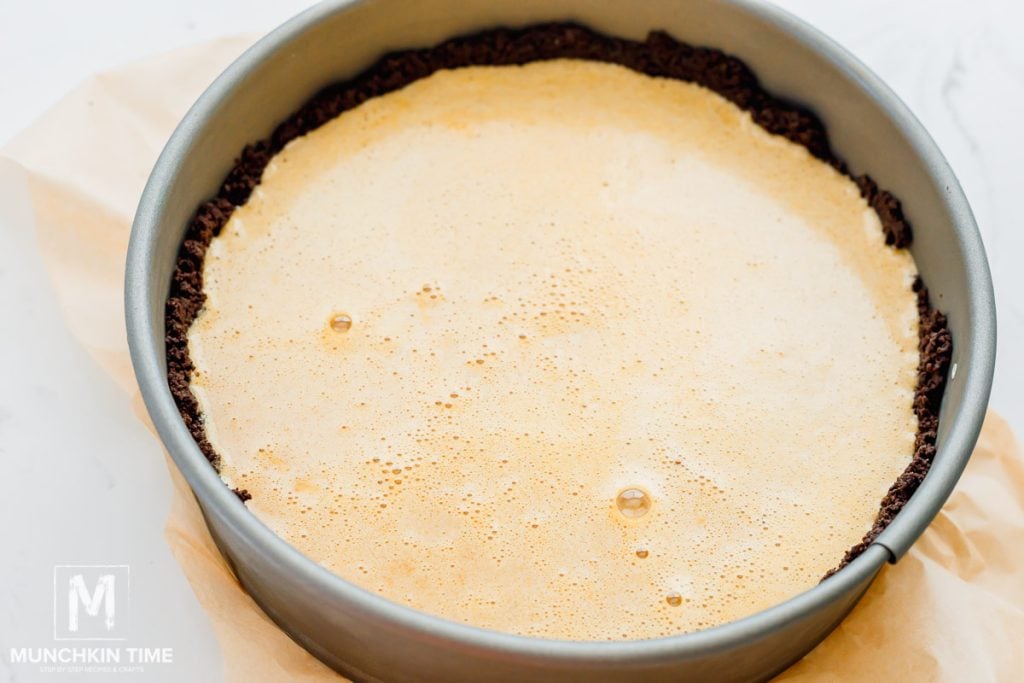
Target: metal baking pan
x,y
370,638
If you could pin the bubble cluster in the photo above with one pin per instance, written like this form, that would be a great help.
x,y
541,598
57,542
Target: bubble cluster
x,y
584,397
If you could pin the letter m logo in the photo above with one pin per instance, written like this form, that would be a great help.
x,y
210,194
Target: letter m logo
x,y
90,602
78,594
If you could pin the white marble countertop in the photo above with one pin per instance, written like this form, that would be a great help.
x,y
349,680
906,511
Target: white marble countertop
x,y
82,481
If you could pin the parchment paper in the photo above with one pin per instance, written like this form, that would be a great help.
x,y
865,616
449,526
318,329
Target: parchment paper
x,y
951,610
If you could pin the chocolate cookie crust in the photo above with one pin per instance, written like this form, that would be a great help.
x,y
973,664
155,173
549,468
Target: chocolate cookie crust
x,y
659,55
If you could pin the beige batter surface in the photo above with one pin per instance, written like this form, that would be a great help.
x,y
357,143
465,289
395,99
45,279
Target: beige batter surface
x,y
453,324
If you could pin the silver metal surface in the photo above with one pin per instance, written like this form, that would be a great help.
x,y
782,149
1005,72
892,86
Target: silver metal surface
x,y
371,638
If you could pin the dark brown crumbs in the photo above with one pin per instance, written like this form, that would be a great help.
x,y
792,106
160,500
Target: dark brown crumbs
x,y
243,494
659,55
890,211
935,346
